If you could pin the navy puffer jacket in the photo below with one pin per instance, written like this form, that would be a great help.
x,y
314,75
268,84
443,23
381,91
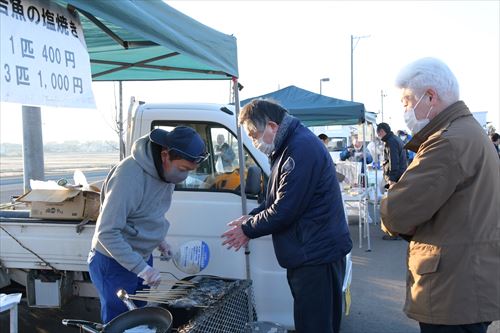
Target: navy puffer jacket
x,y
303,208
395,162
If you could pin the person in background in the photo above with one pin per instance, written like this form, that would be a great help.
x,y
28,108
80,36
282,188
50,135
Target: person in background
x,y
495,138
448,202
405,137
376,149
357,151
395,162
134,199
354,152
224,152
325,139
303,212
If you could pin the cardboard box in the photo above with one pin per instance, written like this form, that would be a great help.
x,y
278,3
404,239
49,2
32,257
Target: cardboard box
x,y
63,204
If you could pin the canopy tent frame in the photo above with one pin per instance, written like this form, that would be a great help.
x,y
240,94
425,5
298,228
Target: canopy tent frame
x,y
125,44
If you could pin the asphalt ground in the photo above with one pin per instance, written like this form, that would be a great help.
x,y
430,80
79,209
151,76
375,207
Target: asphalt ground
x,y
377,289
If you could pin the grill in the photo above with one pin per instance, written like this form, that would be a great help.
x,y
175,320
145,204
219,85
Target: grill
x,y
215,305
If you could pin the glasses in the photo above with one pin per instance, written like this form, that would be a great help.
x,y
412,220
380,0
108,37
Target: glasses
x,y
191,158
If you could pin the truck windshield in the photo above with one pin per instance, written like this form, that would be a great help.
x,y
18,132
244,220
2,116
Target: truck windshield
x,y
337,143
220,172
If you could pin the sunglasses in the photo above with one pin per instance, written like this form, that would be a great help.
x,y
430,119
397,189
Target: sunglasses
x,y
191,158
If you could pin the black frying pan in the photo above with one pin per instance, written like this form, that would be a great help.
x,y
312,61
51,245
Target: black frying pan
x,y
154,317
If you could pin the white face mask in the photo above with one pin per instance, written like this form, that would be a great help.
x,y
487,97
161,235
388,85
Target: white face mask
x,y
175,175
266,148
413,124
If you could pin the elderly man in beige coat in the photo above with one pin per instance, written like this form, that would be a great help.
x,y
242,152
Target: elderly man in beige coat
x,y
447,204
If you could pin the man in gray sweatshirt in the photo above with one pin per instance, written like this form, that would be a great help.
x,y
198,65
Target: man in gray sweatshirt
x,y
135,197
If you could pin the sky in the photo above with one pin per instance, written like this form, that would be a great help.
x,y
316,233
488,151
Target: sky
x,y
282,43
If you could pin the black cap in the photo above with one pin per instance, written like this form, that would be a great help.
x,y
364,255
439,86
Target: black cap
x,y
183,140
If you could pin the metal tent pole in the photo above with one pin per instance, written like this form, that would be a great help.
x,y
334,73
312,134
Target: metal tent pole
x,y
120,121
375,201
241,163
367,222
365,181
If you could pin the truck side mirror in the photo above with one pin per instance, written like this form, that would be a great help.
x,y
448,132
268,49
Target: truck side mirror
x,y
252,184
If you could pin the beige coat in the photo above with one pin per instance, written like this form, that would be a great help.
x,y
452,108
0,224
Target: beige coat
x,y
449,199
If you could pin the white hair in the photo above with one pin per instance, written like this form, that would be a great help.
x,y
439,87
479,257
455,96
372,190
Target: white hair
x,y
429,73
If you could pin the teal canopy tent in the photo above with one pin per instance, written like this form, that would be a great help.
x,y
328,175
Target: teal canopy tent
x,y
318,110
132,40
139,40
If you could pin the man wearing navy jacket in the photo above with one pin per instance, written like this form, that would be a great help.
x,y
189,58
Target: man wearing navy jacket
x,y
302,211
395,161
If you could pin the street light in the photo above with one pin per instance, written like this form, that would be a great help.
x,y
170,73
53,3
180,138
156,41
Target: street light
x,y
353,46
326,79
382,95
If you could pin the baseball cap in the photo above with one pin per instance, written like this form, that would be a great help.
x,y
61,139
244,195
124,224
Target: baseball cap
x,y
183,140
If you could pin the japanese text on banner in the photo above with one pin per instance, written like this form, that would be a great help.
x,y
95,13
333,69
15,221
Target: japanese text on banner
x,y
44,59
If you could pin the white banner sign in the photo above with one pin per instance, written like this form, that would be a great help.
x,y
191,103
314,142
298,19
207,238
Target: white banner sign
x,y
43,59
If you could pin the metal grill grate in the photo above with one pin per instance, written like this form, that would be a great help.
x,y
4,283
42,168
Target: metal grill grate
x,y
230,314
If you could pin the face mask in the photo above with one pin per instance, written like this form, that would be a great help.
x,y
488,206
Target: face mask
x,y
266,148
175,175
411,120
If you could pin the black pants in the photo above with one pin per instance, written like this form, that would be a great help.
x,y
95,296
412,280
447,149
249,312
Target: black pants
x,y
469,328
317,295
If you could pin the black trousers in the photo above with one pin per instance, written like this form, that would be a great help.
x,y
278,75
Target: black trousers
x,y
317,295
468,328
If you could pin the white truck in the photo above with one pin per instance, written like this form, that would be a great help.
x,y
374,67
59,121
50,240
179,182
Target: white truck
x,y
202,206
339,138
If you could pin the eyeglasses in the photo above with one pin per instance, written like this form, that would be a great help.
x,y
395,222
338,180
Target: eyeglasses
x,y
191,158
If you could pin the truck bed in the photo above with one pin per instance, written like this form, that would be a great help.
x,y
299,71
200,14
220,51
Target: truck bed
x,y
57,242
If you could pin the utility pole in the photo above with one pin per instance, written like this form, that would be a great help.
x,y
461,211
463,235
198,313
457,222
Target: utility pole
x,y
33,161
353,46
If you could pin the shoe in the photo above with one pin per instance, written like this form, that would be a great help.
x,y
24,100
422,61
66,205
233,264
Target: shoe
x,y
388,237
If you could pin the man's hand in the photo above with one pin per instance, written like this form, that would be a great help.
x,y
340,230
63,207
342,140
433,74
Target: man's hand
x,y
165,251
239,221
234,237
151,276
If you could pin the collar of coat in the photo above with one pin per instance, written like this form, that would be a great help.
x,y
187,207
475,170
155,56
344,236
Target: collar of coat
x,y
386,136
283,132
439,122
